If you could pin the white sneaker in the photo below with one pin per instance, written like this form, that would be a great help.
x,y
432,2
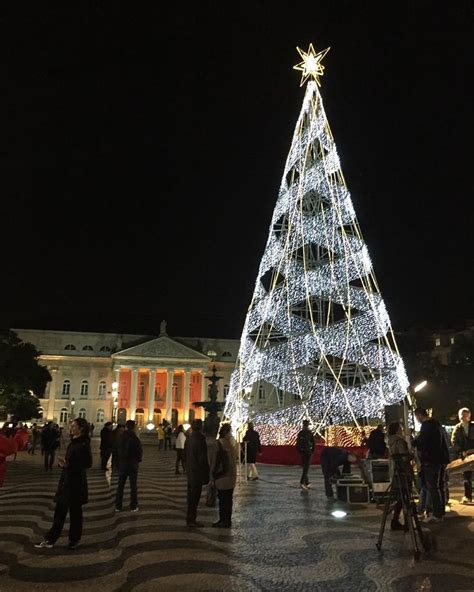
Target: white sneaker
x,y
304,487
432,518
44,545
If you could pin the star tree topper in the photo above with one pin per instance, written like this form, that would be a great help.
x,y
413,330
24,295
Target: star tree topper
x,y
311,64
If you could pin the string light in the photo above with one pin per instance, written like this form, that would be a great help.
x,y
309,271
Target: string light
x,y
317,328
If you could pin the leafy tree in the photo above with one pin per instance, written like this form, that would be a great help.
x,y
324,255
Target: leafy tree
x,y
20,376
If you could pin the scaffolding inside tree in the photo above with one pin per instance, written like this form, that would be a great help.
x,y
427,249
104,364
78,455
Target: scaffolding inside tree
x,y
317,339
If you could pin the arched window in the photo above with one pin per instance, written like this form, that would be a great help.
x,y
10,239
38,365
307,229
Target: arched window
x,y
140,418
70,347
88,348
63,415
100,416
261,393
105,348
226,390
66,388
82,413
102,387
141,391
192,415
84,388
175,392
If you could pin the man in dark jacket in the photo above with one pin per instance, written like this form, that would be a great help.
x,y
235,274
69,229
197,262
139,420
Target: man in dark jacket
x,y
130,455
253,448
462,440
434,456
331,459
49,444
376,444
197,470
305,446
106,444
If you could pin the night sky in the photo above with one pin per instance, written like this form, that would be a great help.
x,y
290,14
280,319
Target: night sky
x,y
143,152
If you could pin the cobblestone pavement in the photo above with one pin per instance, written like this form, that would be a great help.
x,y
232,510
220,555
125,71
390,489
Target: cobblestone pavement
x,y
282,539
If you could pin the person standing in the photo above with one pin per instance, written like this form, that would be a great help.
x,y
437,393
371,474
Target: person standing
x,y
197,470
106,444
331,459
160,432
35,438
252,438
224,473
8,446
305,446
168,434
49,444
180,443
130,454
398,448
376,444
434,456
463,443
116,435
72,492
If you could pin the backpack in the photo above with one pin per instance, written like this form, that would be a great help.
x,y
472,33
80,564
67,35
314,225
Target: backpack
x,y
221,466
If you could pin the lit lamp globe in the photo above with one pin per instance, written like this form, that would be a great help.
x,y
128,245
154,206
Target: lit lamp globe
x,y
150,426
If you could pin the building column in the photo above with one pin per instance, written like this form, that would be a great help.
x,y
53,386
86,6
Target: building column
x,y
169,393
52,395
133,393
203,394
187,385
151,394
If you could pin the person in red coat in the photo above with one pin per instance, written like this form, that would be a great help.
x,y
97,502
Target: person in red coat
x,y
22,437
8,446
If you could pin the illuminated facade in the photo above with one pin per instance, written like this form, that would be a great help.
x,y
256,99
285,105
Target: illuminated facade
x,y
101,376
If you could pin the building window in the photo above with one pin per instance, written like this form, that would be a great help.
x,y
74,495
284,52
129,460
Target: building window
x,y
261,393
158,396
141,391
226,354
451,340
88,348
105,348
82,413
102,387
70,347
438,341
226,390
100,416
66,388
175,392
84,388
63,415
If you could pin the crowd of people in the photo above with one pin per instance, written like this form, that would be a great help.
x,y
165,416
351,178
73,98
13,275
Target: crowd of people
x,y
212,461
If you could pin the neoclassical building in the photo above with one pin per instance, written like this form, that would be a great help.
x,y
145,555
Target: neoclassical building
x,y
105,376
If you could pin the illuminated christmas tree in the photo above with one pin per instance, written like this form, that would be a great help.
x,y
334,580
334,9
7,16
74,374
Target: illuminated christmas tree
x,y
317,341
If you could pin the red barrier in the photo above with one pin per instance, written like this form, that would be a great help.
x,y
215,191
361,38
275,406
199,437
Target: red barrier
x,y
289,455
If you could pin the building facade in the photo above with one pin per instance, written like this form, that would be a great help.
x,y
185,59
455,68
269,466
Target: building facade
x,y
107,376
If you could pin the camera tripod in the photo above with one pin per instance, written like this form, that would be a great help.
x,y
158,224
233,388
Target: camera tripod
x,y
400,489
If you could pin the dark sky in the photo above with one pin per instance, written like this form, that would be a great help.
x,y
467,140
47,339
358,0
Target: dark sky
x,y
143,152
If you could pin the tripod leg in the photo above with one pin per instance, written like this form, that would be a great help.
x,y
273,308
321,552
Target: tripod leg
x,y
386,512
410,516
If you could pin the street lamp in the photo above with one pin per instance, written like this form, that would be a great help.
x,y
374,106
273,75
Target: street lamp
x,y
420,386
73,402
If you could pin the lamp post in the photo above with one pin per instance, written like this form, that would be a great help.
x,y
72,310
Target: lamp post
x,y
73,402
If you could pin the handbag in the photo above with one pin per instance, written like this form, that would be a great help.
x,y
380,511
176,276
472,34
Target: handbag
x,y
211,495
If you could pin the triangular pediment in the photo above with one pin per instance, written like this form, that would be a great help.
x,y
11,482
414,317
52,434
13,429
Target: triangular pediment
x,y
161,347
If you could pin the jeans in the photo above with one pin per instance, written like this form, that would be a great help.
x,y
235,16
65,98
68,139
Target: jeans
x,y
225,505
48,459
305,461
75,525
467,476
194,495
104,458
167,443
327,484
434,476
132,474
180,459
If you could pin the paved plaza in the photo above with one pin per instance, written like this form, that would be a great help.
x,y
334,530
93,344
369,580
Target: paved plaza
x,y
283,539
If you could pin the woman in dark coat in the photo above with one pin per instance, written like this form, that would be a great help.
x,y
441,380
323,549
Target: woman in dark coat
x,y
253,448
72,490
